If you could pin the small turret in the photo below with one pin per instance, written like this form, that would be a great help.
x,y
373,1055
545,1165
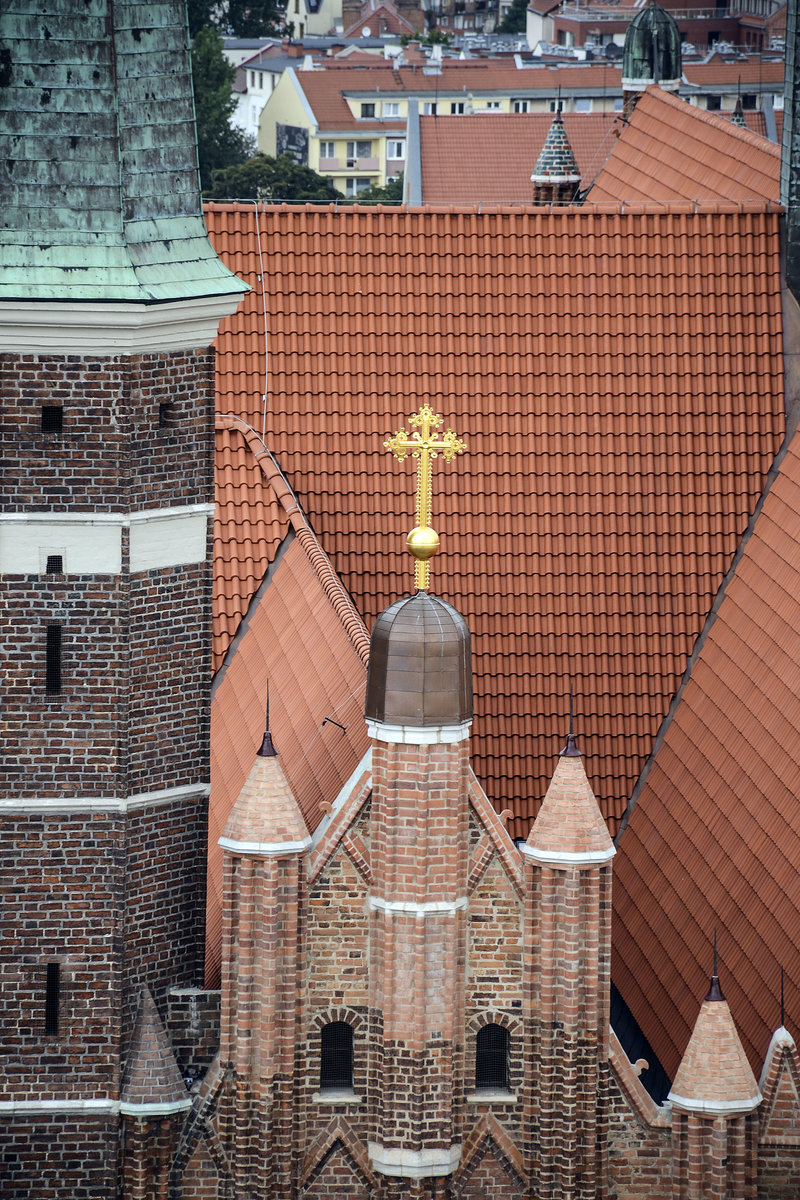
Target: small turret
x,y
555,177
651,55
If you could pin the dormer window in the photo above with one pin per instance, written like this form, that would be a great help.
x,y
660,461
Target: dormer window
x,y
368,111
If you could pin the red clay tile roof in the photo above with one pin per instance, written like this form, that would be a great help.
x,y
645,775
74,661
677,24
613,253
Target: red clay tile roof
x,y
672,151
379,18
488,158
714,1070
714,839
617,442
717,72
301,626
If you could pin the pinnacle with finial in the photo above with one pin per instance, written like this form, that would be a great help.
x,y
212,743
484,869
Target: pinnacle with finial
x,y
571,749
715,991
267,748
424,445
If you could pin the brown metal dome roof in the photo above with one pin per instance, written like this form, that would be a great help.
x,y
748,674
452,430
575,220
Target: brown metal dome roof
x,y
420,664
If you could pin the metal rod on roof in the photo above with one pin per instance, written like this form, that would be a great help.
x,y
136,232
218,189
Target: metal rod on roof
x,y
783,1010
715,952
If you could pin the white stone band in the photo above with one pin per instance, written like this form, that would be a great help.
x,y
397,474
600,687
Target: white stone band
x,y
104,329
423,909
99,1107
114,804
413,1164
555,858
264,849
418,735
153,1110
90,543
719,1107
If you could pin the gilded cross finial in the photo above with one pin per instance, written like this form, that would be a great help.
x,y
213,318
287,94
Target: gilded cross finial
x,y
424,445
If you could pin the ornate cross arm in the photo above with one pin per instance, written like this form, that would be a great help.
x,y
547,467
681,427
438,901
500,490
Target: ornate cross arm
x,y
424,445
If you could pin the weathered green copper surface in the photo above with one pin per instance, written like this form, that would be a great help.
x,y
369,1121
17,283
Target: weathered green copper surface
x,y
99,195
652,52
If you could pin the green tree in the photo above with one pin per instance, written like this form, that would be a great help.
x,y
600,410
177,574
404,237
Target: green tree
x,y
265,178
515,20
239,18
392,193
218,144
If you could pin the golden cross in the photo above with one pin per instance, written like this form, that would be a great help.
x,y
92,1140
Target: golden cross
x,y
424,445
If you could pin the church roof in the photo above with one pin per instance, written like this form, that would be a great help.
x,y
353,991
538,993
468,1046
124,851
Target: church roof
x,y
99,190
603,474
488,158
671,151
303,638
714,837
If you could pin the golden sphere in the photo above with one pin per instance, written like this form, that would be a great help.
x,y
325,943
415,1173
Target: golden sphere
x,y
423,542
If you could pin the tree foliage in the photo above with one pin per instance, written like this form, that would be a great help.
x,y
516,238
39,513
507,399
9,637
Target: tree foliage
x,y
218,144
515,20
265,178
238,18
392,193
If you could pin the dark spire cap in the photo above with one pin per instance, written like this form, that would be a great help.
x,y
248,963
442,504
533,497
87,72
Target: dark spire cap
x,y
571,749
267,747
715,991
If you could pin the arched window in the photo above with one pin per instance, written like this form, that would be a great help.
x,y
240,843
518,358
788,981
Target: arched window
x,y
491,1059
336,1057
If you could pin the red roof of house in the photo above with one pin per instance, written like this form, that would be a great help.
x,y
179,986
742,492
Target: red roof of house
x,y
617,441
488,158
670,150
714,839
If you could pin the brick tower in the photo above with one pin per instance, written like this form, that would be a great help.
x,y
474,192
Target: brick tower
x,y
110,296
556,178
568,972
419,710
714,1100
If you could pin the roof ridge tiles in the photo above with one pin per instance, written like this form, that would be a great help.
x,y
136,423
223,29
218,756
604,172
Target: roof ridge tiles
x,y
331,583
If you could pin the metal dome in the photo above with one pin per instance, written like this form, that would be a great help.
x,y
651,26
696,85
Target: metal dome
x,y
652,52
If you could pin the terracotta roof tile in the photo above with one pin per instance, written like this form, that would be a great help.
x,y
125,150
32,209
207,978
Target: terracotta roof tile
x,y
489,157
301,626
714,1070
615,447
713,839
671,150
151,1073
569,821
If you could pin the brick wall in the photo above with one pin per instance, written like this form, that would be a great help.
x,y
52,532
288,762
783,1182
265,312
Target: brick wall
x,y
778,1172
60,1156
639,1155
193,1027
112,453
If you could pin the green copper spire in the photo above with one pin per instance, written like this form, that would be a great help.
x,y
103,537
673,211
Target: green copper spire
x,y
100,195
652,52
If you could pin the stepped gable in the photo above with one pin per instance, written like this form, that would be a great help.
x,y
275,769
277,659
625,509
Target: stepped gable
x,y
152,1076
671,151
518,324
714,1074
569,823
556,162
713,837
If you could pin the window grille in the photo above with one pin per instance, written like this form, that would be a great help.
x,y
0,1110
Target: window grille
x,y
491,1059
52,418
51,999
52,681
54,565
336,1057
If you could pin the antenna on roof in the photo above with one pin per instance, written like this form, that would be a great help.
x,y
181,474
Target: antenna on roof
x,y
267,747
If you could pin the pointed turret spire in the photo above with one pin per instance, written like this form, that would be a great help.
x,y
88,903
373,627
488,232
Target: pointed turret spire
x,y
571,749
714,1075
738,114
569,828
267,747
152,1081
555,177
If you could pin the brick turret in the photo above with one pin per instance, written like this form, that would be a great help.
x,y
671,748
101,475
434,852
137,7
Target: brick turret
x,y
264,845
567,996
555,177
419,710
714,1100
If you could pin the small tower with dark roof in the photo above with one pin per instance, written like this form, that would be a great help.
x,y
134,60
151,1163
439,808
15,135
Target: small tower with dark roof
x,y
651,55
264,847
714,1098
555,177
568,963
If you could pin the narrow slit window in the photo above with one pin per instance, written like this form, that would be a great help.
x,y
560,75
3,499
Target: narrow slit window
x,y
336,1057
491,1059
53,665
52,418
54,565
52,999
165,415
